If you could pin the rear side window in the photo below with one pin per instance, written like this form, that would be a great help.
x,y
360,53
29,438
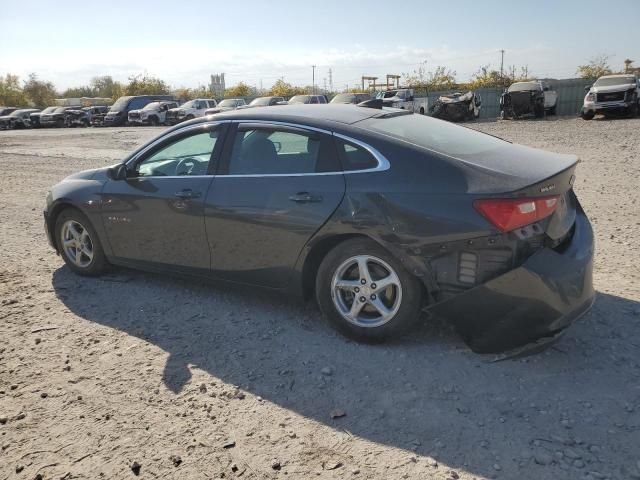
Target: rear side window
x,y
280,152
355,157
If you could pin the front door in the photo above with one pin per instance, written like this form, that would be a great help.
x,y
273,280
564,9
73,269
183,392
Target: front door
x,y
277,186
157,214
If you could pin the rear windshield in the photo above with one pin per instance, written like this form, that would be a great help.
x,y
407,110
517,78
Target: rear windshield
x,y
344,98
610,81
524,86
437,135
300,99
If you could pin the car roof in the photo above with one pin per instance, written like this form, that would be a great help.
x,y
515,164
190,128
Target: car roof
x,y
308,114
619,75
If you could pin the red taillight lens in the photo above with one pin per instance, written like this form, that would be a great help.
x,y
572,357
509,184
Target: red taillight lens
x,y
510,213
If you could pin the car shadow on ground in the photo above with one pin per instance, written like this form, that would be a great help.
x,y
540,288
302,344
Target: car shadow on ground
x,y
427,393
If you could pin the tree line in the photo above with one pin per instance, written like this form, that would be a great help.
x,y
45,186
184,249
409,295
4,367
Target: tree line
x,y
36,92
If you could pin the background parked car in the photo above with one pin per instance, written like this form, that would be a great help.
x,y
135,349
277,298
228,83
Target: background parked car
x,y
354,98
6,110
226,104
153,113
612,95
310,99
528,98
265,102
191,109
56,118
404,99
119,111
457,107
35,117
17,119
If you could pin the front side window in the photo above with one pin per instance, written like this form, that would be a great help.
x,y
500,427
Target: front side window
x,y
185,156
279,152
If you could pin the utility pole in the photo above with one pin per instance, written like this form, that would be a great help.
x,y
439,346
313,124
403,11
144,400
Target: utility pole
x,y
330,80
313,79
325,84
501,66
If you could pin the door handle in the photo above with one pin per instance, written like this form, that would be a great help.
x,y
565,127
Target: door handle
x,y
187,193
305,197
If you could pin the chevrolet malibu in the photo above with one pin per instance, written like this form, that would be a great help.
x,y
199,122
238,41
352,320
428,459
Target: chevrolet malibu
x,y
379,213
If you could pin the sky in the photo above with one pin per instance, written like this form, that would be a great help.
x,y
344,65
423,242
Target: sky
x,y
69,42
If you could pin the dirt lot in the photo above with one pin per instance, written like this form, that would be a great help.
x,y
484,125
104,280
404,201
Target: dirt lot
x,y
101,376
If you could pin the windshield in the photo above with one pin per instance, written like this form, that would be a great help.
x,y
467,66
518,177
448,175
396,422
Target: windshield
x,y
610,81
436,135
524,86
120,104
343,98
60,109
189,104
152,106
227,103
260,102
17,113
389,94
48,110
300,99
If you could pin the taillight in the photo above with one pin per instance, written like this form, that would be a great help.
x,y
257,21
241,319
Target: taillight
x,y
510,213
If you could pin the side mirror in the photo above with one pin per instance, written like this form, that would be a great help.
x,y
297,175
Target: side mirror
x,y
587,88
119,172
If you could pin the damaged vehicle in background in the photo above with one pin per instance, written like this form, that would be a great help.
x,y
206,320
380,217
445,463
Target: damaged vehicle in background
x,y
226,105
189,110
612,95
457,107
17,119
307,99
412,214
534,98
6,110
153,113
57,117
82,117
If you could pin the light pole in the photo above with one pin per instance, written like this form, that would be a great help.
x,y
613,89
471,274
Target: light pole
x,y
313,79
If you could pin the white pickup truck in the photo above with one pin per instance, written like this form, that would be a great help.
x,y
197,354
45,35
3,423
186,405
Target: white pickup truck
x,y
403,98
191,109
612,95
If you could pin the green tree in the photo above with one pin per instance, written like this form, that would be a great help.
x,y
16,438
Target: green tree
x,y
485,77
39,92
239,90
441,78
105,86
146,85
77,92
284,89
597,67
11,95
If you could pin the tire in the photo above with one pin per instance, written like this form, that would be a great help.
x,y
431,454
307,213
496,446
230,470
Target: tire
x,y
69,221
552,110
153,121
587,115
421,110
633,110
402,299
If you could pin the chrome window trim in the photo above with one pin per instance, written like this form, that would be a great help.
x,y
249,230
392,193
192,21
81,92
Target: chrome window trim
x,y
383,163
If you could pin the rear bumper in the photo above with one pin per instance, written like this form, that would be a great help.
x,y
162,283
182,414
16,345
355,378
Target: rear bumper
x,y
537,300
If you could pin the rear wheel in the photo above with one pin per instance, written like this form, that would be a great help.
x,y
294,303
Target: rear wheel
x,y
552,110
78,243
539,111
153,121
421,110
366,294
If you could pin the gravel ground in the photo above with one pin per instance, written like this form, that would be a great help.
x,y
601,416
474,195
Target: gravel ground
x,y
137,374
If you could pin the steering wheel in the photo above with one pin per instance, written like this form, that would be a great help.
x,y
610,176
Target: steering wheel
x,y
189,165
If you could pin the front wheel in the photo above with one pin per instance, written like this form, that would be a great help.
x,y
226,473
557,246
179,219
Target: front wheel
x,y
587,115
78,243
366,293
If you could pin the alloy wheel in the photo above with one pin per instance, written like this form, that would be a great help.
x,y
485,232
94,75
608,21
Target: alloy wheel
x,y
76,243
366,291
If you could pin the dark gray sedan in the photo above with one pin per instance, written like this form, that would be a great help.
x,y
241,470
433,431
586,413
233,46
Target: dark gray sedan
x,y
380,214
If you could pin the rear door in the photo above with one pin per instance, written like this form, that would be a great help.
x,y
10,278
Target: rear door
x,y
276,187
